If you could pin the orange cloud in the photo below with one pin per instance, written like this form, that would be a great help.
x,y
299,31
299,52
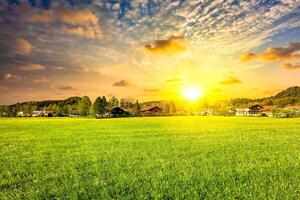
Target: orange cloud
x,y
11,77
171,45
231,80
151,89
275,54
75,17
122,83
84,23
88,32
32,67
3,87
22,47
39,16
40,80
290,66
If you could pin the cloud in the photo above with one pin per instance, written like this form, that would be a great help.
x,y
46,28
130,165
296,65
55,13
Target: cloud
x,y
40,80
66,88
11,77
58,68
122,83
21,46
174,80
32,67
151,89
87,32
171,45
83,23
93,70
3,87
75,17
290,66
276,54
231,80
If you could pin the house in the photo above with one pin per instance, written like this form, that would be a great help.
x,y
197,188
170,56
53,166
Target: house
x,y
151,111
37,113
267,111
74,113
118,112
255,110
21,114
48,113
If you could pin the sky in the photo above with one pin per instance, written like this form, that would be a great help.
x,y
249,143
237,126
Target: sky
x,y
147,49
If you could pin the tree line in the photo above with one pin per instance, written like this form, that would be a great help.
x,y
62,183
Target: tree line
x,y
78,105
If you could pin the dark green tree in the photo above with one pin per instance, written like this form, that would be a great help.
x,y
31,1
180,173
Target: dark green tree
x,y
99,105
84,106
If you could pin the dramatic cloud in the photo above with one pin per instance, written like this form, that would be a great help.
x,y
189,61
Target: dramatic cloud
x,y
66,88
171,45
83,23
231,80
11,77
276,53
32,67
122,83
290,66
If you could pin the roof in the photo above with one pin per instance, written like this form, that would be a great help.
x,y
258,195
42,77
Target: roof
x,y
152,109
269,108
117,110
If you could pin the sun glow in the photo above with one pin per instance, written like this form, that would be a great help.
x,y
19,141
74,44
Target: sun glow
x,y
192,93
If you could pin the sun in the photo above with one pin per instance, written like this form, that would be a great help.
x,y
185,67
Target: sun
x,y
192,93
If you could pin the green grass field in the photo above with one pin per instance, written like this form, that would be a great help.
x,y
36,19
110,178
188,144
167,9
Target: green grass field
x,y
150,158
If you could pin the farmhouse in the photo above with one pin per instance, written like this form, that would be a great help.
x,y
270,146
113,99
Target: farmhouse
x,y
37,113
118,112
255,110
151,111
48,113
74,113
268,111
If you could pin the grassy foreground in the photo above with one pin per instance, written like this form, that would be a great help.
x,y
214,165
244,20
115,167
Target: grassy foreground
x,y
144,158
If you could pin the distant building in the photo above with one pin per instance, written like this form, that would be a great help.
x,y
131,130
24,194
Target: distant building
x,y
118,112
37,113
21,114
48,113
268,111
255,110
74,113
151,111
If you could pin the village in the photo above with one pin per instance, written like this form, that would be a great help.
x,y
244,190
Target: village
x,y
248,111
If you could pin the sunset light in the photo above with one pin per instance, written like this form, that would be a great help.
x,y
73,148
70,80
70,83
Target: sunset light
x,y
192,93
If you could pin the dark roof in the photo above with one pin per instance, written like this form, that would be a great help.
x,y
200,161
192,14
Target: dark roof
x,y
153,109
117,110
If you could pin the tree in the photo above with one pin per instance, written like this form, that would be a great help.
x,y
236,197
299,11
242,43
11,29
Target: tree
x,y
84,106
99,105
136,108
113,102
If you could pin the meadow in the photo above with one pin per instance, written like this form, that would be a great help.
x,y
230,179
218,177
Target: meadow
x,y
150,158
